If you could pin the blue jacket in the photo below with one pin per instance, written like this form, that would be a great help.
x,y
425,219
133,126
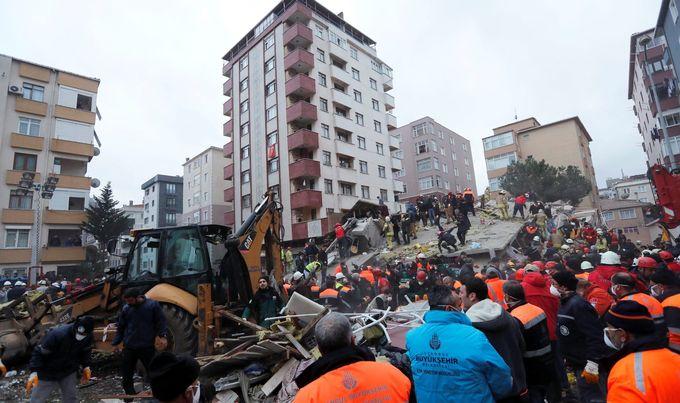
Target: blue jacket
x,y
139,325
59,354
451,361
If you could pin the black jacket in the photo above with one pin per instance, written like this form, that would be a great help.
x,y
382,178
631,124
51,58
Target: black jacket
x,y
15,292
139,325
539,359
59,354
580,332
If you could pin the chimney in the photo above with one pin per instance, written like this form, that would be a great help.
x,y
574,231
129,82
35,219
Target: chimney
x,y
341,14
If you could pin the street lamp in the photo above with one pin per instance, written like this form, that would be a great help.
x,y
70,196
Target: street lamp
x,y
662,121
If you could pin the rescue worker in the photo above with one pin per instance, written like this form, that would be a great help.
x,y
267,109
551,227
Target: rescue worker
x,y
340,239
463,226
289,260
140,323
419,287
266,303
610,263
6,286
56,362
346,372
451,360
541,220
42,286
520,202
17,291
311,268
646,266
645,371
174,379
601,241
538,355
502,205
666,289
495,285
388,232
667,258
623,288
499,327
588,234
596,296
300,285
556,238
469,201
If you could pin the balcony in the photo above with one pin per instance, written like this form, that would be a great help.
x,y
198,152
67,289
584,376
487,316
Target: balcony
x,y
298,35
340,74
227,107
227,87
229,218
77,115
12,216
228,128
399,186
346,202
298,13
229,194
387,84
394,143
64,217
299,60
345,148
29,142
304,168
391,122
228,171
389,102
301,113
397,164
24,105
228,149
344,123
653,53
301,86
307,198
303,139
659,78
58,254
12,177
342,98
226,70
72,148
74,182
15,256
348,175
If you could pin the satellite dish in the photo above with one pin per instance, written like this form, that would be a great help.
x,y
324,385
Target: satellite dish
x,y
95,183
96,151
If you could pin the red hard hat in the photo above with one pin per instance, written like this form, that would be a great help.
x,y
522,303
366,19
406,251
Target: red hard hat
x,y
550,265
646,262
519,275
539,264
421,276
586,250
665,255
337,224
338,269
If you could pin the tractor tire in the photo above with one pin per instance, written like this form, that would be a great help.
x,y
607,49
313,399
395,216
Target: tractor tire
x,y
182,336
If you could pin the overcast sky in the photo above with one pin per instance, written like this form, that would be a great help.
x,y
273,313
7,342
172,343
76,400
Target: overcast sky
x,y
469,65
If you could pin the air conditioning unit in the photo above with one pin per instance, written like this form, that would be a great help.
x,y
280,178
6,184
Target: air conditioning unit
x,y
15,89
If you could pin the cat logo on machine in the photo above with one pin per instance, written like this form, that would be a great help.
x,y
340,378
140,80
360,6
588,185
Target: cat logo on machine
x,y
248,241
66,316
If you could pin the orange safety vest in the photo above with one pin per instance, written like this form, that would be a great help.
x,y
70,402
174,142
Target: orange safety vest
x,y
328,293
645,376
652,304
315,289
496,293
671,313
530,316
582,276
366,274
286,287
363,381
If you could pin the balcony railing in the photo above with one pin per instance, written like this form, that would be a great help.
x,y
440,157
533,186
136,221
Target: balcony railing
x,y
298,35
306,198
299,60
304,168
303,139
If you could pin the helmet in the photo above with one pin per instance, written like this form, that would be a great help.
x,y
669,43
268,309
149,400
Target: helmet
x,y
646,263
42,282
297,275
565,247
337,224
502,192
339,276
586,250
519,276
7,284
646,252
599,231
539,264
665,255
550,265
56,285
586,265
421,276
569,241
537,238
421,256
18,283
610,258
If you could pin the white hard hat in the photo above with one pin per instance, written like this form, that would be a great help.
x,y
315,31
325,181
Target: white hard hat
x,y
339,276
646,252
569,241
599,231
656,251
56,285
18,283
42,282
537,238
421,256
565,247
585,265
610,257
7,284
297,275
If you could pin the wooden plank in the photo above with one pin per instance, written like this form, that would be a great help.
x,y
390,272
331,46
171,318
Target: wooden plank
x,y
272,346
296,343
240,320
274,382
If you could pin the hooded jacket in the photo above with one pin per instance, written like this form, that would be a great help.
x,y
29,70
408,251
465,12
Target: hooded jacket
x,y
602,275
537,292
59,354
505,335
452,361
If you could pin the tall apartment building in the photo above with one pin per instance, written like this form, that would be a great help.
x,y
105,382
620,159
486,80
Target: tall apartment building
x,y
162,201
561,143
634,187
135,215
204,183
436,160
47,119
309,109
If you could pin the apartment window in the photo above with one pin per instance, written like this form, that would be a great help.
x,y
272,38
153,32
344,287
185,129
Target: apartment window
x,y
379,148
435,161
433,144
344,162
320,55
451,140
84,102
344,137
170,218
197,197
365,192
29,127
464,147
362,142
243,106
245,176
325,131
322,80
672,119
381,171
323,104
500,161
34,92
422,129
357,96
328,186
205,196
363,167
383,194
269,65
16,238
608,215
359,118
467,162
468,176
494,184
374,84
355,74
497,141
19,201
376,66
353,53
631,230
170,202
424,165
243,63
273,165
627,214
453,155
455,172
270,88
272,138
326,158
24,162
245,152
334,38
426,183
269,42
153,202
377,126
271,112
674,10
347,189
170,188
442,152
440,134
243,85
376,105
422,147
447,185
245,201
445,167
319,31
245,129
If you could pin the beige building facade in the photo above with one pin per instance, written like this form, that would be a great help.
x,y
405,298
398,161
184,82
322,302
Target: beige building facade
x,y
47,119
629,217
204,186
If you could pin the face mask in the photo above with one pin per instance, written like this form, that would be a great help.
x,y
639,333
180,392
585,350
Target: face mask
x,y
197,393
655,291
80,337
612,290
554,291
609,342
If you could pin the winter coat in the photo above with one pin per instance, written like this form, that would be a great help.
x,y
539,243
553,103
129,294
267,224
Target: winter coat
x,y
454,362
265,304
139,325
59,354
580,332
537,292
539,359
505,335
598,298
602,275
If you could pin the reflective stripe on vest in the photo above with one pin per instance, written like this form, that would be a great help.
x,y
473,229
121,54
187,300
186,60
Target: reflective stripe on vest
x,y
639,373
529,315
537,353
671,307
652,304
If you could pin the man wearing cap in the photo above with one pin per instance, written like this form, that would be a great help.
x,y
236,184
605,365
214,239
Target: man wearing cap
x,y
610,263
667,258
644,370
174,379
266,303
17,291
623,288
55,362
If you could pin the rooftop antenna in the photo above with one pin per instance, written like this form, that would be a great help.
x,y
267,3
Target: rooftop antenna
x,y
515,113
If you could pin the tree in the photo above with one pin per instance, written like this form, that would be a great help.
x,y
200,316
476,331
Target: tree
x,y
105,221
547,182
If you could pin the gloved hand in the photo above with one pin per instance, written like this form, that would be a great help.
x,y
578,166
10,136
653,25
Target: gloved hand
x,y
87,374
161,343
3,369
591,373
31,383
